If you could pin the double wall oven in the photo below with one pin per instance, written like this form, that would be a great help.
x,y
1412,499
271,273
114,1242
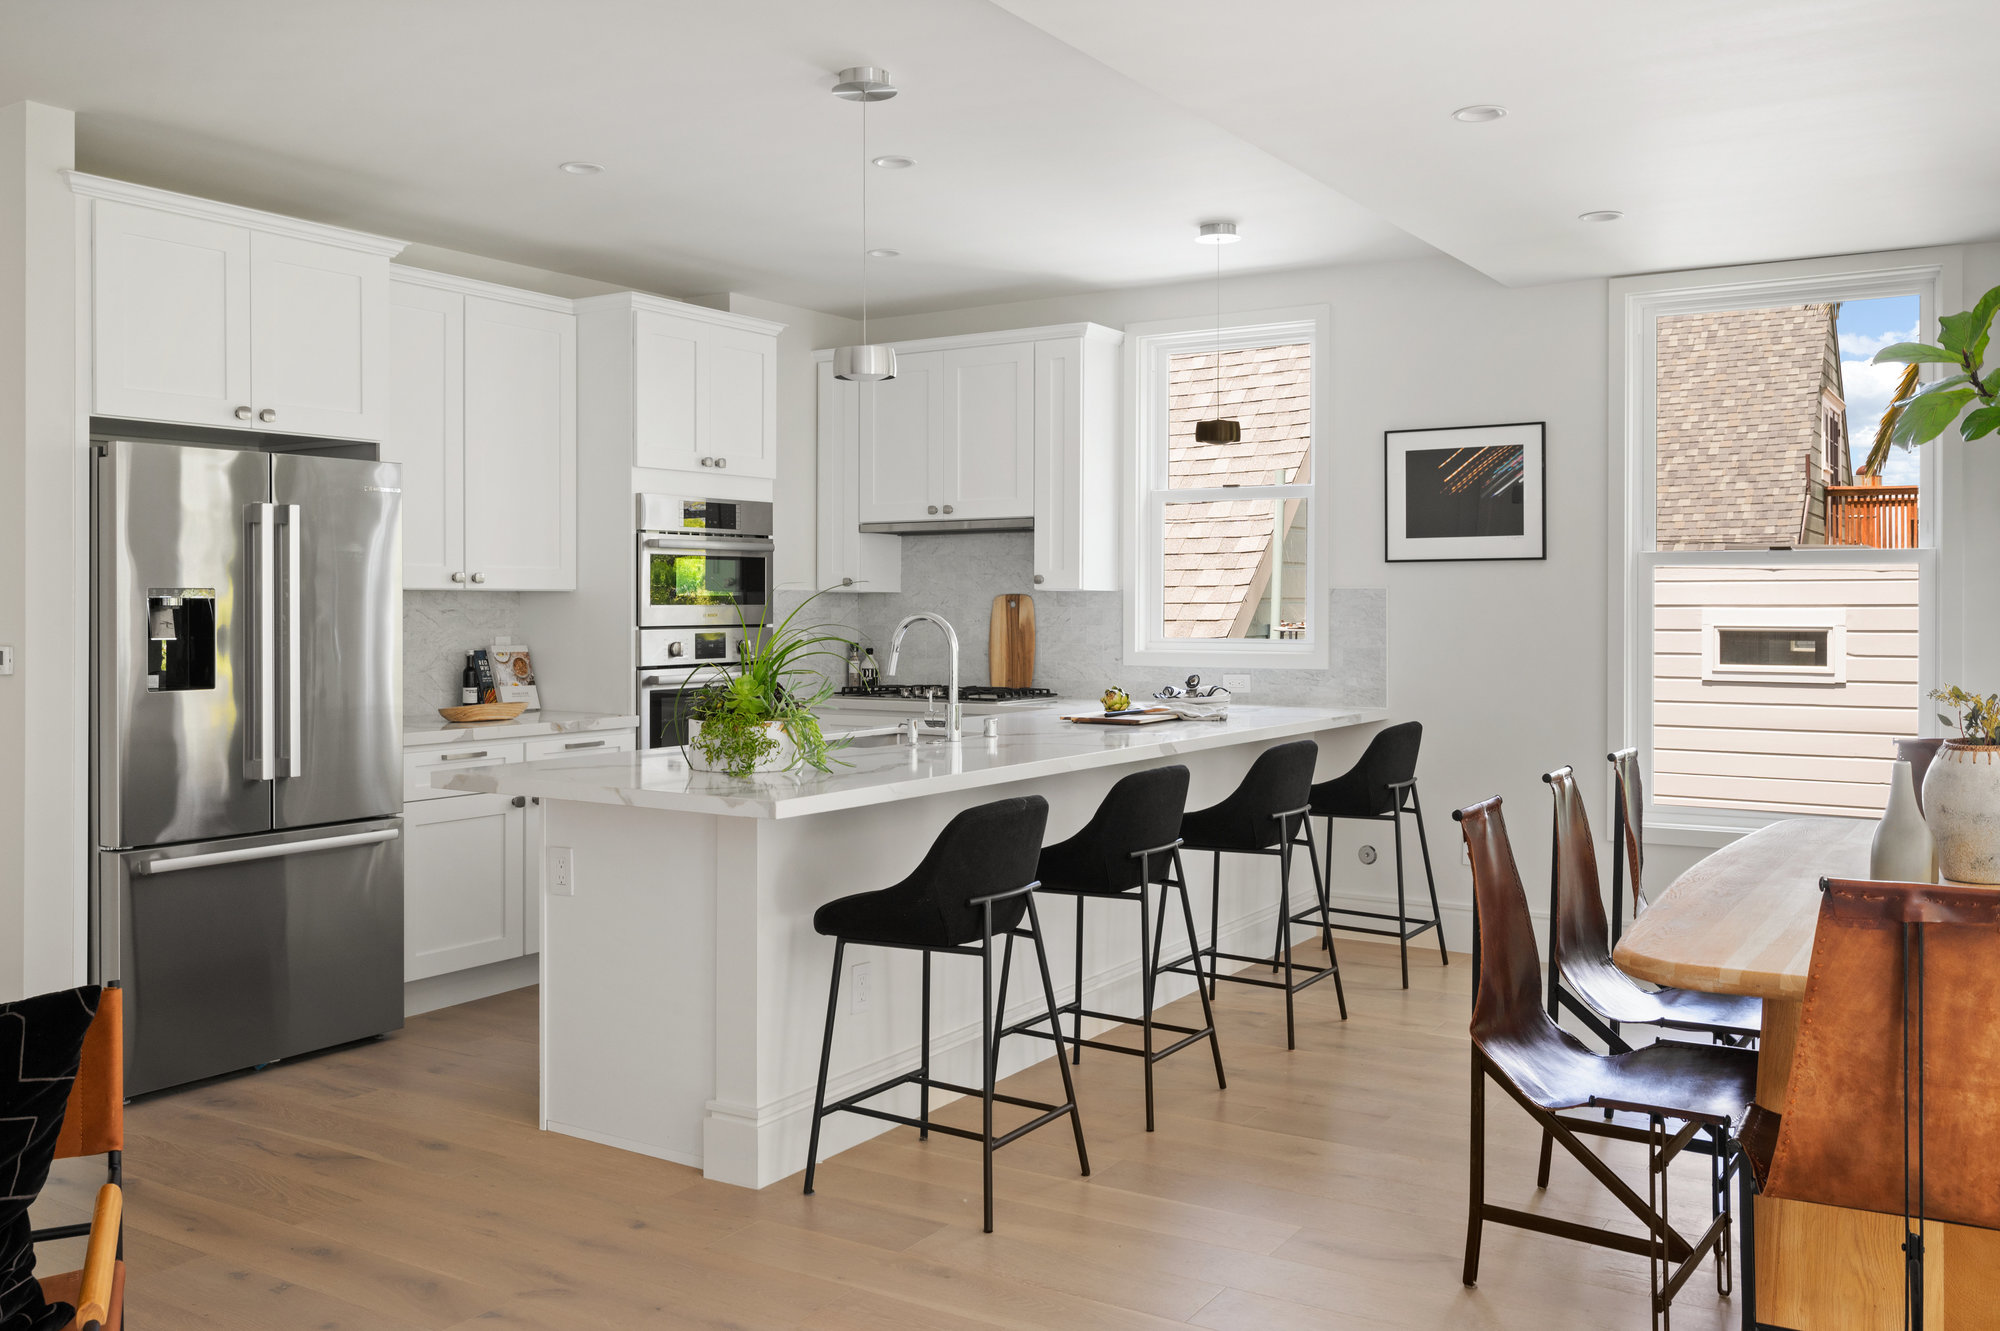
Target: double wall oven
x,y
704,584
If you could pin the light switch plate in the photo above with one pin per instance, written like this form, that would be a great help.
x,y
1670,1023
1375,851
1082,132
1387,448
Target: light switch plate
x,y
6,660
562,871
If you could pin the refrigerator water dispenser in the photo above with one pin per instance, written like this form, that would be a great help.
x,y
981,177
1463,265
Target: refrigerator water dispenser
x,y
180,632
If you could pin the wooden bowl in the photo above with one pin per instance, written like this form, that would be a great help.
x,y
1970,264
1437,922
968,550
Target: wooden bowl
x,y
482,713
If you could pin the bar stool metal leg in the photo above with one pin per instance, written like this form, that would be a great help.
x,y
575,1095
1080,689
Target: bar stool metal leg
x,y
1194,946
825,1058
1402,907
1424,844
1146,963
1049,996
1076,1030
986,1052
1284,928
1214,923
923,1059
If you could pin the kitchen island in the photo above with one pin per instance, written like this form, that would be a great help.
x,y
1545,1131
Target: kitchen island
x,y
683,987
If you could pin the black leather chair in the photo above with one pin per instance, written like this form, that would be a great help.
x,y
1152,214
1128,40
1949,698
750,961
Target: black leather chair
x,y
1267,814
1382,787
1129,846
1684,1091
975,884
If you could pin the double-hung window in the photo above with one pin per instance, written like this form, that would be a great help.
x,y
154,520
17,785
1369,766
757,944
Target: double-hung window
x,y
1227,557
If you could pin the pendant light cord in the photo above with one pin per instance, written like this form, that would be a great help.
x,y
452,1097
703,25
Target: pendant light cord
x,y
1218,330
864,221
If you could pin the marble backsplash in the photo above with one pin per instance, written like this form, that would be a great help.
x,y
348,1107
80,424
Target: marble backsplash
x,y
439,628
1079,635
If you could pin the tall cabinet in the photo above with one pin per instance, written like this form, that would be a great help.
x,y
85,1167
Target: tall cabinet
x,y
483,421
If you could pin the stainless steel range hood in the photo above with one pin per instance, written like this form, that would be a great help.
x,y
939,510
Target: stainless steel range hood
x,y
948,526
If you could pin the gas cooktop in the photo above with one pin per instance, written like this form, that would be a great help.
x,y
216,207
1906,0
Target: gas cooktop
x,y
966,692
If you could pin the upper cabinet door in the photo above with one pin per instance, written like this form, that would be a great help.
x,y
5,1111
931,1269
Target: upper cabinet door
x,y
171,314
989,432
318,323
426,433
520,446
902,436
666,360
739,377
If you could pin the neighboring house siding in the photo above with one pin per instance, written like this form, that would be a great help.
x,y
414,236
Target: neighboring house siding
x,y
1740,412
1790,747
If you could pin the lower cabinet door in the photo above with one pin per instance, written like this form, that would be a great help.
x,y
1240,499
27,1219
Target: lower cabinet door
x,y
464,880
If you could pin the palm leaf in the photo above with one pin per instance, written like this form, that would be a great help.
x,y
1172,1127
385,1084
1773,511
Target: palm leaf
x,y
1878,456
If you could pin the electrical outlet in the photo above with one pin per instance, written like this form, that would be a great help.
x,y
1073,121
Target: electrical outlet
x,y
562,871
860,986
1236,683
6,660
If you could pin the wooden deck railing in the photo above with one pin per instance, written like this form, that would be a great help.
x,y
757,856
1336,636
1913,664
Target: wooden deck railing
x,y
1882,516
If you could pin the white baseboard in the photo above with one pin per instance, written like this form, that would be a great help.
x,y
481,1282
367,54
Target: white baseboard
x,y
467,986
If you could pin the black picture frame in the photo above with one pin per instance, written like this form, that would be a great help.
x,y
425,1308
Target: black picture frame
x,y
1421,524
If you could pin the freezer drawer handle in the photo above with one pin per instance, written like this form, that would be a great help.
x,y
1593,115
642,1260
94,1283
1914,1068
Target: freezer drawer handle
x,y
266,852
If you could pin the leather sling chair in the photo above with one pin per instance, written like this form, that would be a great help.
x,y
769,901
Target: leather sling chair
x,y
94,1124
1628,838
1682,1090
1893,1104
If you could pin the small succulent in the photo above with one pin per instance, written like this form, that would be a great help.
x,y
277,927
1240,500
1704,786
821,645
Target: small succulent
x,y
1977,719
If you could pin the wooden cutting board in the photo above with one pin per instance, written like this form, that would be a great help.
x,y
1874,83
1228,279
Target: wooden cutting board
x,y
1010,645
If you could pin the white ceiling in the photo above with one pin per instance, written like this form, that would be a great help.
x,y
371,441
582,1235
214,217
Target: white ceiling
x,y
1063,145
1727,131
730,165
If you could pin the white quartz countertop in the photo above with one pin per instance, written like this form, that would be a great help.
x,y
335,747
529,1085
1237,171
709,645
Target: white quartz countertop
x,y
434,729
1030,745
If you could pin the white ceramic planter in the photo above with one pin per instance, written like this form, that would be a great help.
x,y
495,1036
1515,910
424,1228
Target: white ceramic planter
x,y
779,761
1962,806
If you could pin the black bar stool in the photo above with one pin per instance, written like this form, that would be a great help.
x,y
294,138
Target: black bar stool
x,y
1382,787
975,884
1265,815
1131,844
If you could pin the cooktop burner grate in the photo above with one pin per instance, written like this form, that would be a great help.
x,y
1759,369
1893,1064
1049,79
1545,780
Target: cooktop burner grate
x,y
966,692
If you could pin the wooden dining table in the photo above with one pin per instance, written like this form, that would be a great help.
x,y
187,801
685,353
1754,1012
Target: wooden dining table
x,y
1741,922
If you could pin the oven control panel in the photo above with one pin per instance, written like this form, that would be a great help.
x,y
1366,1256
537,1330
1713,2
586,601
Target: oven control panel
x,y
674,648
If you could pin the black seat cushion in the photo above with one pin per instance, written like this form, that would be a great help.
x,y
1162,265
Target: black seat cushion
x,y
1141,812
1363,790
1279,781
41,1041
987,849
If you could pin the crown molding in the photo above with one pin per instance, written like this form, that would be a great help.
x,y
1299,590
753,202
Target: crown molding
x,y
319,233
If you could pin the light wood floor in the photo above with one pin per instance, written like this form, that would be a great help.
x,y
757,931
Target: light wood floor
x,y
402,1184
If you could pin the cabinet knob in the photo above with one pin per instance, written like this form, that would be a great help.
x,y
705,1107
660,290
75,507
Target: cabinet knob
x,y
520,801
708,462
947,508
1038,579
931,509
479,577
458,577
267,415
722,462
243,413
847,582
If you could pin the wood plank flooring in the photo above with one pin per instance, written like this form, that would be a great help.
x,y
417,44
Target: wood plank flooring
x,y
402,1186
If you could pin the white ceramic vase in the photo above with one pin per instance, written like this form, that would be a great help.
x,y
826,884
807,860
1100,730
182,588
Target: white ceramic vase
x,y
780,760
1962,806
1903,851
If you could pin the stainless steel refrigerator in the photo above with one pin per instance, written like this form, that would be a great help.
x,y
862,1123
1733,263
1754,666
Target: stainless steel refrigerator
x,y
247,724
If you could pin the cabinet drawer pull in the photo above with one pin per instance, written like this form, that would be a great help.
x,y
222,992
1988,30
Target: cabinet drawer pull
x,y
267,415
462,757
479,577
947,508
520,801
931,509
585,744
1038,579
243,413
722,462
458,577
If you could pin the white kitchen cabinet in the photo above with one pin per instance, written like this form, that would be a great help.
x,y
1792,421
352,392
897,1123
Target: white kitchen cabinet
x,y
207,314
993,427
484,425
464,883
683,387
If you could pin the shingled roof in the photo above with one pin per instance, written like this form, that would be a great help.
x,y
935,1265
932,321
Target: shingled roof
x,y
1218,553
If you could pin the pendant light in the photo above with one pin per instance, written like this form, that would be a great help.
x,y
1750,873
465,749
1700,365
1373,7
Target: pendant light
x,y
866,362
1220,430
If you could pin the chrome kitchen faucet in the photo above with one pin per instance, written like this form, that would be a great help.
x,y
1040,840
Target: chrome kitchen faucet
x,y
952,734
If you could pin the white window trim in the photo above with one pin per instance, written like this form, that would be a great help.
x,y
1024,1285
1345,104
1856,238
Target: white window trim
x,y
1832,621
1634,307
1148,346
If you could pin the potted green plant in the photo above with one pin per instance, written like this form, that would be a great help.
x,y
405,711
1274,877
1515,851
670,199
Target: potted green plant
x,y
1919,415
764,719
1962,788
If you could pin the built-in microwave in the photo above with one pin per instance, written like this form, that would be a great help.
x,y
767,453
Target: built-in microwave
x,y
703,561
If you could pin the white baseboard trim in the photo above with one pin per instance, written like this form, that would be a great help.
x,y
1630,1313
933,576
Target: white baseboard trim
x,y
467,986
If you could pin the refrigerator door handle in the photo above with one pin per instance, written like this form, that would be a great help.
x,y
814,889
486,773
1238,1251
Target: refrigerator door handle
x,y
291,702
260,747
274,852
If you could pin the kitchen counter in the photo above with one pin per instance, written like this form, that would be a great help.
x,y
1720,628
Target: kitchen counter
x,y
1030,745
683,987
434,729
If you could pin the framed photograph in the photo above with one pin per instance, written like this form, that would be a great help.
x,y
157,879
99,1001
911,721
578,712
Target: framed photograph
x,y
1465,492
514,674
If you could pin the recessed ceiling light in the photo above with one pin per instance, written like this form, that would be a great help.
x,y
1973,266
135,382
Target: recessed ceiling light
x,y
581,168
894,163
1217,233
1600,215
884,254
1479,113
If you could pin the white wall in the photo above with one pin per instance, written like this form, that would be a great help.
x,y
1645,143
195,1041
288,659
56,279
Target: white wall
x,y
43,719
1975,558
1504,663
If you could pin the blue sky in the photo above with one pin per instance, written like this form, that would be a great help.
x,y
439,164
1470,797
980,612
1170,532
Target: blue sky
x,y
1866,326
